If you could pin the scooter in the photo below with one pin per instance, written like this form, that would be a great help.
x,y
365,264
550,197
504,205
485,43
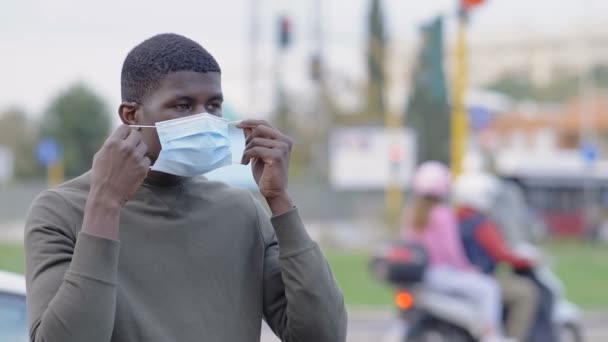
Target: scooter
x,y
427,315
566,317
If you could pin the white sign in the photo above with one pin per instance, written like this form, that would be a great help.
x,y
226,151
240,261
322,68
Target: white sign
x,y
6,164
371,157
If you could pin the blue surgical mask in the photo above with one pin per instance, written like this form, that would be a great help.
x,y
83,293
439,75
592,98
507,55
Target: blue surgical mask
x,y
193,145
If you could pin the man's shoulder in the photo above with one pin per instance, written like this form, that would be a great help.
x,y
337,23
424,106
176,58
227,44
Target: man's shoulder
x,y
74,191
60,207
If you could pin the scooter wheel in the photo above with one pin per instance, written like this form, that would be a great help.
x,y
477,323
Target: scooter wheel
x,y
570,333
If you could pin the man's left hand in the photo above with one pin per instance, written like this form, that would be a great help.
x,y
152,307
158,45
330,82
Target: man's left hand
x,y
269,152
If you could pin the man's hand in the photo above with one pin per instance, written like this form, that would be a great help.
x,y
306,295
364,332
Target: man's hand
x,y
119,168
269,152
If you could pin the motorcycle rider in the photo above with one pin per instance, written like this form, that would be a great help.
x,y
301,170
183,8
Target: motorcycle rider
x,y
474,194
433,224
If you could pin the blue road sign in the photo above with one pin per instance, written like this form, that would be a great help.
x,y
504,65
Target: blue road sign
x,y
589,152
48,152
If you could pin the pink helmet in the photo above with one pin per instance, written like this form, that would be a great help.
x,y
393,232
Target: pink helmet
x,y
432,178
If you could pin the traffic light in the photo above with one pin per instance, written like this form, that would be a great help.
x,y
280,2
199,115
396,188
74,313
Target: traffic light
x,y
315,68
468,4
284,32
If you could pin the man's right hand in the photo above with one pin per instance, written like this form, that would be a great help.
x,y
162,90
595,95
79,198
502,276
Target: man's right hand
x,y
120,166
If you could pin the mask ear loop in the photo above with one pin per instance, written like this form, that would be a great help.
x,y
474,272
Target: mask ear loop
x,y
141,126
233,123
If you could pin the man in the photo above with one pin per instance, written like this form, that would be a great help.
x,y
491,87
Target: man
x,y
474,196
129,253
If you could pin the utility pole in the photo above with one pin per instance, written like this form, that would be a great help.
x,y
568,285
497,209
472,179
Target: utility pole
x,y
460,118
252,59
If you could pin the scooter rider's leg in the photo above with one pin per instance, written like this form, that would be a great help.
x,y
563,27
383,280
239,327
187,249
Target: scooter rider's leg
x,y
521,298
479,287
491,305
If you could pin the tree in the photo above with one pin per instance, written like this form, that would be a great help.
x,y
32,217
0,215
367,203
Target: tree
x,y
17,133
564,86
428,111
376,63
599,74
78,120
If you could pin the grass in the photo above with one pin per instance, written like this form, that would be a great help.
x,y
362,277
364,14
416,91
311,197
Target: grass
x,y
11,258
359,288
582,267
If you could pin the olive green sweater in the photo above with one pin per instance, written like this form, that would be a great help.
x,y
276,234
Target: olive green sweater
x,y
196,261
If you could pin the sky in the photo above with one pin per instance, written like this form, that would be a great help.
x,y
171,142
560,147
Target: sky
x,y
45,46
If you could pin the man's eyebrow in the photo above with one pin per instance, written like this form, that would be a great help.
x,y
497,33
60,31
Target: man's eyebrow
x,y
182,97
217,97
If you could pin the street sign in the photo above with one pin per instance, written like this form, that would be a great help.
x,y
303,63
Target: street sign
x,y
589,152
367,158
480,118
48,152
6,164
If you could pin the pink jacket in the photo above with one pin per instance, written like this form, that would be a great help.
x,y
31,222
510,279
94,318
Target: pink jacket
x,y
441,238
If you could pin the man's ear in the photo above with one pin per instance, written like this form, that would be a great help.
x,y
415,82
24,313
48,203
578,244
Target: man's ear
x,y
129,113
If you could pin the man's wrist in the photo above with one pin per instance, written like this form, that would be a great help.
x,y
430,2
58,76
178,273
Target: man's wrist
x,y
103,200
280,204
101,216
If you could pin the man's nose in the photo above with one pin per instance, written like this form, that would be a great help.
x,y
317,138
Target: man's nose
x,y
199,108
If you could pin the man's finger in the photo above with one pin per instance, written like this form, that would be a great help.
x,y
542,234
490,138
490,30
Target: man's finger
x,y
141,150
260,131
247,131
260,152
146,163
121,132
134,138
252,123
265,132
268,143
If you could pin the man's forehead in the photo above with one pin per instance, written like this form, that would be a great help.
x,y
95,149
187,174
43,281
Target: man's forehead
x,y
184,83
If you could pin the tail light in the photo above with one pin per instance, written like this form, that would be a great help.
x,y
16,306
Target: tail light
x,y
404,300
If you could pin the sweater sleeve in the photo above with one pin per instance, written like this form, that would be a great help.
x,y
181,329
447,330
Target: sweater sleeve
x,y
302,301
71,282
491,240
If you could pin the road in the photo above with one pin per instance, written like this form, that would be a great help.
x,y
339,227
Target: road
x,y
372,326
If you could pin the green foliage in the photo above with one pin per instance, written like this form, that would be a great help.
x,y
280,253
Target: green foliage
x,y
376,60
599,74
428,112
78,119
17,133
563,86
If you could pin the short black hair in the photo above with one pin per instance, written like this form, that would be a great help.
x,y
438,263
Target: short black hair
x,y
149,62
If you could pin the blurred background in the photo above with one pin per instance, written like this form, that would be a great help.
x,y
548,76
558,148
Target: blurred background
x,y
368,89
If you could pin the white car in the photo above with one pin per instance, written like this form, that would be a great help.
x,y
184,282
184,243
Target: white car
x,y
13,318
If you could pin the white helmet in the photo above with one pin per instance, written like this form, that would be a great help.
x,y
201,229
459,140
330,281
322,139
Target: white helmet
x,y
476,190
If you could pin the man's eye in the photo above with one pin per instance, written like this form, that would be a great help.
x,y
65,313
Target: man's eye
x,y
183,106
214,106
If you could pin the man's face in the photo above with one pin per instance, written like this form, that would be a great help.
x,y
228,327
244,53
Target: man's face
x,y
180,94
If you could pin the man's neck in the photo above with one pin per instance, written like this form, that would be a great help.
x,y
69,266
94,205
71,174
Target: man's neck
x,y
163,179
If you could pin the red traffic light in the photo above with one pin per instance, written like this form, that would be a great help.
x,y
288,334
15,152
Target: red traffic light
x,y
468,4
284,32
